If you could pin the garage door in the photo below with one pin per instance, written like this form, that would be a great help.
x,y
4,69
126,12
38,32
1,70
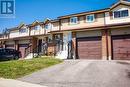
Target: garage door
x,y
89,48
121,47
10,46
22,48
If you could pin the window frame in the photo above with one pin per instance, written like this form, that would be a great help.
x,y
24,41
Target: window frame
x,y
92,15
49,26
72,18
120,14
49,40
38,27
23,30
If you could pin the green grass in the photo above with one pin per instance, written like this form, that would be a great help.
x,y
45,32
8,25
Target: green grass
x,y
20,68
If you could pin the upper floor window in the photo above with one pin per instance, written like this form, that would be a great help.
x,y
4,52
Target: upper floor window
x,y
90,18
122,13
37,27
48,26
23,30
74,20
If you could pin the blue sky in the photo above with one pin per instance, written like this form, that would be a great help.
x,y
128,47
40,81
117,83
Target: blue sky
x,y
28,11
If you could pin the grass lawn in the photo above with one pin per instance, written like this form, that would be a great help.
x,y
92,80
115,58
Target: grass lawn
x,y
19,68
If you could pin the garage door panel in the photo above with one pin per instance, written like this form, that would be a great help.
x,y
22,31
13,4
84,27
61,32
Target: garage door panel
x,y
10,46
95,50
121,47
89,48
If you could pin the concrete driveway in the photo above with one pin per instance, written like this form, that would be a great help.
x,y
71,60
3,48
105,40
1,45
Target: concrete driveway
x,y
83,73
16,83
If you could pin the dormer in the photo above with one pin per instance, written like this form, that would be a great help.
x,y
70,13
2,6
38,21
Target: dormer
x,y
36,25
23,28
120,9
47,24
118,13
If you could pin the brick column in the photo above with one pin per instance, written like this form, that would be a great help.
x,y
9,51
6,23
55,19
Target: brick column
x,y
104,45
109,46
16,44
61,35
3,43
33,43
74,44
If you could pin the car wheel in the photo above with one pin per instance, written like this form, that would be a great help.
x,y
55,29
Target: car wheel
x,y
16,57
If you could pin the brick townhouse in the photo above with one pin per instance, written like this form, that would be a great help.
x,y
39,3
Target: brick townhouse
x,y
102,34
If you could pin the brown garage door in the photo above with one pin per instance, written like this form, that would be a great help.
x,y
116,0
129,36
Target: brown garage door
x,y
121,47
22,48
89,48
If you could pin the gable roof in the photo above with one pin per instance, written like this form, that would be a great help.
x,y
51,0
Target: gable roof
x,y
123,2
21,25
17,28
47,20
35,23
12,29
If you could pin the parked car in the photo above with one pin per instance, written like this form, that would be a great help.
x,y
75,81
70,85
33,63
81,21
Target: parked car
x,y
9,54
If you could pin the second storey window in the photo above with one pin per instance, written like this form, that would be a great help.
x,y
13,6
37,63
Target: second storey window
x,y
122,13
73,20
48,26
23,30
37,27
90,18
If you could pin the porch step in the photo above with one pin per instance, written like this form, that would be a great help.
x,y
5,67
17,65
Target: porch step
x,y
62,55
31,55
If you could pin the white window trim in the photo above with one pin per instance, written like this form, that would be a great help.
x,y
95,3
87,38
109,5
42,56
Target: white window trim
x,y
25,28
120,10
38,27
49,26
90,21
76,20
24,32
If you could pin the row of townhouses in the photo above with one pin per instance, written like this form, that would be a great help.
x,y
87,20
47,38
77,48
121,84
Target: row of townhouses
x,y
101,34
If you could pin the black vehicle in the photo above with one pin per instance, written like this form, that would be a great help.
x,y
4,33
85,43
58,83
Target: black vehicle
x,y
9,54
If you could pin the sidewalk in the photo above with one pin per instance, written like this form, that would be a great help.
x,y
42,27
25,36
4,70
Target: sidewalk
x,y
15,83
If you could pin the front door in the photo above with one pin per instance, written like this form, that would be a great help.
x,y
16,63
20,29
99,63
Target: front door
x,y
40,45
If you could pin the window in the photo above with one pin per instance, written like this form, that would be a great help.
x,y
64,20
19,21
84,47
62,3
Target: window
x,y
49,39
23,30
90,18
74,20
122,13
37,27
48,26
57,37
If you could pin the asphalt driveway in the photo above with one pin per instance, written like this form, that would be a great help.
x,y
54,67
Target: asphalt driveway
x,y
83,73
